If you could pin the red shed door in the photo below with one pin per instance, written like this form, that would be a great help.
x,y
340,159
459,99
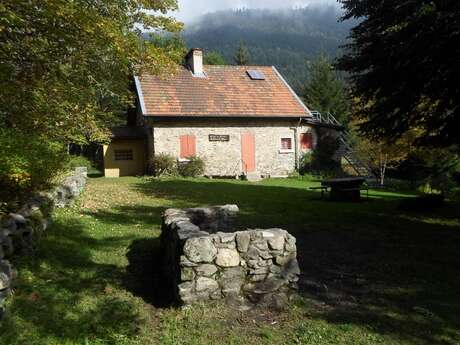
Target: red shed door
x,y
248,152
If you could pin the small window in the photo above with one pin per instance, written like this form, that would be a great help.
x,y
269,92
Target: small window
x,y
123,155
286,144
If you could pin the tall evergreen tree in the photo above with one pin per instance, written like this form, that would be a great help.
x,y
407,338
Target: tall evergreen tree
x,y
242,56
404,64
214,58
324,91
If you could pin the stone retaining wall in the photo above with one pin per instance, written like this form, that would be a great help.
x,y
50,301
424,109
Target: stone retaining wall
x,y
204,260
20,231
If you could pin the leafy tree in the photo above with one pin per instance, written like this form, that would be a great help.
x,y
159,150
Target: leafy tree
x,y
437,168
324,91
381,156
404,65
214,58
66,70
242,56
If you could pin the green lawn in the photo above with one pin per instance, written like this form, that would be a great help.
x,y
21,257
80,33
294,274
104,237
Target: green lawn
x,y
370,273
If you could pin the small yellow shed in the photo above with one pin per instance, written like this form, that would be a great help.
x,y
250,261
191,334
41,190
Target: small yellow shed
x,y
126,153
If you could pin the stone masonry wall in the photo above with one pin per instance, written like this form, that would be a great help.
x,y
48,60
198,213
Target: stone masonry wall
x,y
19,232
224,158
204,260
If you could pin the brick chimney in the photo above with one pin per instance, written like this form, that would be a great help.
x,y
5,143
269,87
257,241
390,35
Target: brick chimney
x,y
194,60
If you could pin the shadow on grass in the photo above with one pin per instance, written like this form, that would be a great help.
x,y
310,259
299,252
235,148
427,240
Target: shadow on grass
x,y
144,273
363,264
367,263
64,295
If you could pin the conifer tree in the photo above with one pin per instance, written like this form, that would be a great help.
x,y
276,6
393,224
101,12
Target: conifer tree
x,y
404,65
324,91
214,58
242,56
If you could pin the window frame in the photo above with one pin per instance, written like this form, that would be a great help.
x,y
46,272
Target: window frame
x,y
291,144
126,155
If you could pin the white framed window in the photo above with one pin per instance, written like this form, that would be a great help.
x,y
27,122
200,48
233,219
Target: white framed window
x,y
286,145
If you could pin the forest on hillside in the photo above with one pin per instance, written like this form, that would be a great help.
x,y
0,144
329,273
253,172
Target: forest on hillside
x,y
287,39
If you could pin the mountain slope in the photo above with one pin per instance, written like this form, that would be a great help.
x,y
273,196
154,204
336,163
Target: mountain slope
x,y
286,39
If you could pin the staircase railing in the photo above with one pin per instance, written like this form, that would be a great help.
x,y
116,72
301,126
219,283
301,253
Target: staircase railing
x,y
346,140
325,118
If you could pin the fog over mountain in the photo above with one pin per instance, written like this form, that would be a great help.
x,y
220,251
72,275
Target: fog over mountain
x,y
191,9
285,38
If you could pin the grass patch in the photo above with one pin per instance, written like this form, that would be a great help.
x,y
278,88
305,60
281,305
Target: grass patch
x,y
371,274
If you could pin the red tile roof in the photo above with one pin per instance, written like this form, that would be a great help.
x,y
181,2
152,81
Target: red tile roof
x,y
227,91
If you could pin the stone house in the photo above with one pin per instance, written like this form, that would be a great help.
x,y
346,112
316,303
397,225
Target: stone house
x,y
241,120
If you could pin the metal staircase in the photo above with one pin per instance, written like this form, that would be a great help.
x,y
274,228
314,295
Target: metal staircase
x,y
346,150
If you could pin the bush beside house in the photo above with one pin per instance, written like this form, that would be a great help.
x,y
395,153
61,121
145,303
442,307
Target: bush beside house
x,y
164,165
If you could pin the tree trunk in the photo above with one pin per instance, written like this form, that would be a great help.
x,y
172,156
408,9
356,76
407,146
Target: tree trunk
x,y
383,168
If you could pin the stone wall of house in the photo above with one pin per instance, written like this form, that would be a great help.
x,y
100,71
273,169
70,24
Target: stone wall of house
x,y
19,232
205,260
223,158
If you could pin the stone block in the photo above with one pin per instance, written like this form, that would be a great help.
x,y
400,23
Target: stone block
x,y
4,281
227,258
206,284
187,274
242,241
285,258
184,262
200,249
206,270
226,237
276,243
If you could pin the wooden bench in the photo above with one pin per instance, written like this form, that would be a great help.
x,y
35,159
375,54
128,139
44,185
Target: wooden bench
x,y
322,188
356,189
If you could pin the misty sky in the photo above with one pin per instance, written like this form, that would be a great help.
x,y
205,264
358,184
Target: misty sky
x,y
190,9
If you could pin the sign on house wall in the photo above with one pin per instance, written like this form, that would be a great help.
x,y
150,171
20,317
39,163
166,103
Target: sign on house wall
x,y
219,137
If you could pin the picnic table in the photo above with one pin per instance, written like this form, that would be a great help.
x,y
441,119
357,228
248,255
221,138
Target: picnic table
x,y
344,189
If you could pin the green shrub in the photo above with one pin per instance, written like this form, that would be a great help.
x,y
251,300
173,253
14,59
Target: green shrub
x,y
79,161
192,168
27,163
321,160
305,166
164,164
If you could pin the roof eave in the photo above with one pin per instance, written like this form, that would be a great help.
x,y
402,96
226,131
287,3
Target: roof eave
x,y
292,91
140,95
230,116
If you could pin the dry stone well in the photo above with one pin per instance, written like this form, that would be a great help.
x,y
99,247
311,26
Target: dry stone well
x,y
206,259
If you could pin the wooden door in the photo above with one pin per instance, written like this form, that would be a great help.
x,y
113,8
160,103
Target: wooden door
x,y
248,152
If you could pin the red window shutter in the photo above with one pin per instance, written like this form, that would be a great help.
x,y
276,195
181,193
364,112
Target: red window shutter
x,y
191,146
187,146
306,141
183,146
